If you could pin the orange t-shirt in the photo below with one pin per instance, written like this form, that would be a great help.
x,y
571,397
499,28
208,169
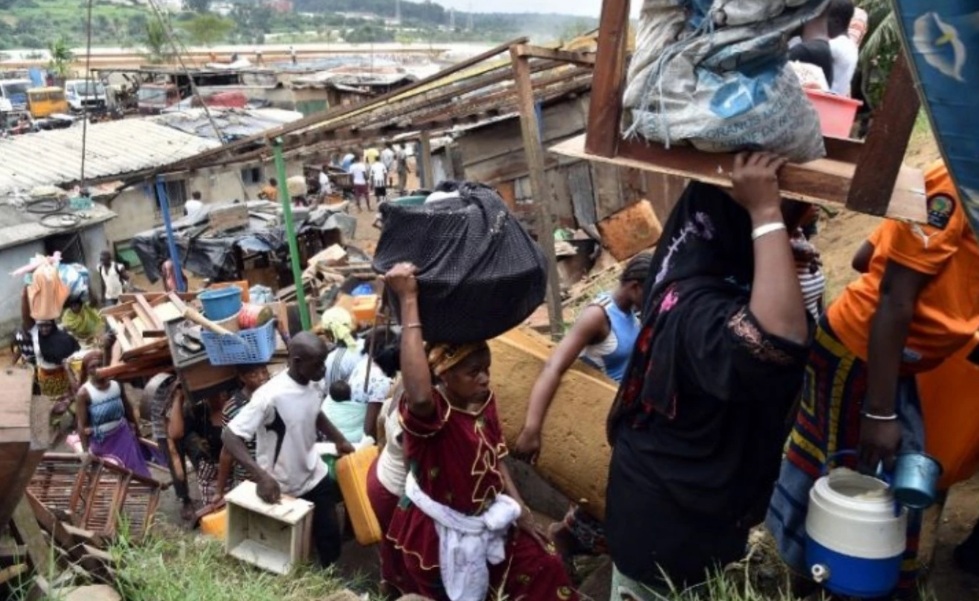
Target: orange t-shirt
x,y
946,315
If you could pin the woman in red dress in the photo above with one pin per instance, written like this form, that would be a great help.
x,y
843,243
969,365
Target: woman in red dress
x,y
461,531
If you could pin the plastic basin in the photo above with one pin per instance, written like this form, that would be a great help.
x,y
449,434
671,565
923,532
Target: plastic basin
x,y
409,201
222,303
836,113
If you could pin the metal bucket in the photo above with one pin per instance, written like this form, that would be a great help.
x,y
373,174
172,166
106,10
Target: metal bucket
x,y
915,480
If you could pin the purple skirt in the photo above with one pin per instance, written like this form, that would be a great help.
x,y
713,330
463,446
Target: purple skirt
x,y
121,448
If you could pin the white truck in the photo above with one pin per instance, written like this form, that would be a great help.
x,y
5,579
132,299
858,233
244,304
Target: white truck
x,y
86,93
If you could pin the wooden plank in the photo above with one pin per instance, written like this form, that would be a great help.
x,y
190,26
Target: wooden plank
x,y
428,169
877,172
534,150
30,536
564,56
178,303
147,314
605,111
12,552
17,464
132,331
823,182
582,195
120,331
10,572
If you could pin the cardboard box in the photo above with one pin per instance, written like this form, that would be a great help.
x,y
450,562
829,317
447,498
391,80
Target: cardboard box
x,y
272,537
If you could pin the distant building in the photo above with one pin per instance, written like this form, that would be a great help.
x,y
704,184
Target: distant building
x,y
279,6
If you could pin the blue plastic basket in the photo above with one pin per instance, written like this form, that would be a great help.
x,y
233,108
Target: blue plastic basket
x,y
256,345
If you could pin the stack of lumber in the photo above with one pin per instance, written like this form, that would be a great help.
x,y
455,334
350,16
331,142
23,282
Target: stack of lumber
x,y
141,349
574,454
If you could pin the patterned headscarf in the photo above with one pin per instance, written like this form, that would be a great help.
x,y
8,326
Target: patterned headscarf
x,y
340,325
443,357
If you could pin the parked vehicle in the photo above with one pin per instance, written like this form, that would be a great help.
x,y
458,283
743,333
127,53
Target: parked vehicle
x,y
44,102
13,121
85,94
153,98
15,90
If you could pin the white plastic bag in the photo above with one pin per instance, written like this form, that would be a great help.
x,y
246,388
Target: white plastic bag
x,y
719,80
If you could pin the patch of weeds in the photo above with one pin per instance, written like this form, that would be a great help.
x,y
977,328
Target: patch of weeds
x,y
172,566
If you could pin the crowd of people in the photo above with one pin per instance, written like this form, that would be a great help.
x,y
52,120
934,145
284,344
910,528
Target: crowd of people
x,y
722,349
711,338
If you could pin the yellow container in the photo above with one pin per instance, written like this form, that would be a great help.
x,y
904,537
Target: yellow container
x,y
216,524
352,477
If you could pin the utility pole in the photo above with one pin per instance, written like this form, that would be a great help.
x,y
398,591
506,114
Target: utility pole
x,y
397,12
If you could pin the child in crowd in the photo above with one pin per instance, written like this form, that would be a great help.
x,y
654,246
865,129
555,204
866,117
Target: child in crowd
x,y
346,415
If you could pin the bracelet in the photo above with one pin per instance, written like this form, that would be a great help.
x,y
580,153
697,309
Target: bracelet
x,y
879,418
412,325
768,228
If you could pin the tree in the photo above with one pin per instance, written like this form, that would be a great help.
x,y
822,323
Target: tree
x,y
253,22
156,43
881,47
197,6
206,29
61,57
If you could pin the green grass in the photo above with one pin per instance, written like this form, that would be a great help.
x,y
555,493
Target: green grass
x,y
173,566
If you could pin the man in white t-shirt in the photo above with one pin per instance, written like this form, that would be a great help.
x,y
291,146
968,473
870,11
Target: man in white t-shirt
x,y
844,50
379,179
387,157
283,417
359,172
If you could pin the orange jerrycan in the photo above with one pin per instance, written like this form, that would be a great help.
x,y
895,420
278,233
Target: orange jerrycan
x,y
352,477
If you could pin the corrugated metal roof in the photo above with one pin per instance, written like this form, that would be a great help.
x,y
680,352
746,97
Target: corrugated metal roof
x,y
233,123
113,148
18,226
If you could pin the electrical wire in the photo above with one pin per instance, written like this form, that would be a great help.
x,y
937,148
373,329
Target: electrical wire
x,y
88,88
168,31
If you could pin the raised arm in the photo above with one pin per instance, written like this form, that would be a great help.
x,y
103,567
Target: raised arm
x,y
776,297
415,373
591,327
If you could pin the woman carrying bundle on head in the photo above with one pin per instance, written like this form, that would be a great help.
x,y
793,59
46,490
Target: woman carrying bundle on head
x,y
699,423
106,422
462,529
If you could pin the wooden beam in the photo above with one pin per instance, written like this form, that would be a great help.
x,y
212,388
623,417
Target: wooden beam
x,y
534,150
428,170
318,118
823,182
887,141
605,110
577,58
29,534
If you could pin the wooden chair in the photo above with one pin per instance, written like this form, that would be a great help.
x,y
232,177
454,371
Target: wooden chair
x,y
867,177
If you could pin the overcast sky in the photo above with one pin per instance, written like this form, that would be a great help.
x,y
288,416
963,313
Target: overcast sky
x,y
575,7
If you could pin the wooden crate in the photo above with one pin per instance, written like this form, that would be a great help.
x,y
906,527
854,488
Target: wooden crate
x,y
630,231
272,537
232,217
